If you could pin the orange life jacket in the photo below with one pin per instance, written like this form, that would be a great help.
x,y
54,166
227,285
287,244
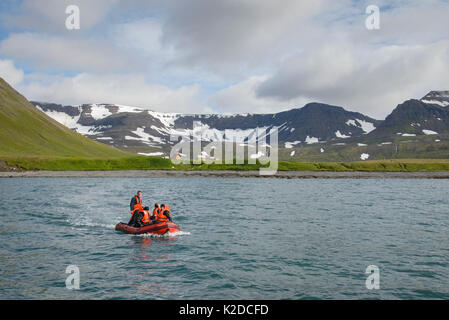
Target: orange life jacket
x,y
137,208
160,216
156,211
146,217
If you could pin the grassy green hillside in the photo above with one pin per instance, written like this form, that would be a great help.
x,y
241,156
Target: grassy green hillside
x,y
83,164
25,131
151,163
29,140
372,165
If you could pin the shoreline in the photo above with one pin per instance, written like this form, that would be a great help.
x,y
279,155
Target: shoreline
x,y
230,174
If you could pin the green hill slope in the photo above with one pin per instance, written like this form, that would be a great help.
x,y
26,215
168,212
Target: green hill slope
x,y
30,140
25,131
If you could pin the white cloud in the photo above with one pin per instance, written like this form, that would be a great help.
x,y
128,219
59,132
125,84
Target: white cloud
x,y
143,35
130,90
220,34
212,52
365,79
50,16
409,22
65,53
10,73
242,97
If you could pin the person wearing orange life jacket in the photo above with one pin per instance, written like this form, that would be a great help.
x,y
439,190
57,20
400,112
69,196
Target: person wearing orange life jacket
x,y
140,216
164,214
146,219
157,208
136,215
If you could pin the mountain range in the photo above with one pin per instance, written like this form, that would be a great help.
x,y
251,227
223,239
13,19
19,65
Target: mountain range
x,y
309,133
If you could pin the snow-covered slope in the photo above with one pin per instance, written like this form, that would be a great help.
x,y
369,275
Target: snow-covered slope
x,y
440,98
145,131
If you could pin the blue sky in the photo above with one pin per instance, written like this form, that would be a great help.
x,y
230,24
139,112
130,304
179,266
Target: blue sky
x,y
226,56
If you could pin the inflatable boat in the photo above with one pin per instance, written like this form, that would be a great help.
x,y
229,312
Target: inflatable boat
x,y
155,228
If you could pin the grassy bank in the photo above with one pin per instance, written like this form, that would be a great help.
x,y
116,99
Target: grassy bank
x,y
373,165
83,164
157,163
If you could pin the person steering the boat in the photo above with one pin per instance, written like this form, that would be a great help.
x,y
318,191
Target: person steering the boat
x,y
137,199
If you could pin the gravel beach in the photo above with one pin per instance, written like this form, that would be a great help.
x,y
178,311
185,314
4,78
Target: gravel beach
x,y
227,174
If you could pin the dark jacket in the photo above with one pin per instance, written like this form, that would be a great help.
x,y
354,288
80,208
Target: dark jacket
x,y
136,219
134,202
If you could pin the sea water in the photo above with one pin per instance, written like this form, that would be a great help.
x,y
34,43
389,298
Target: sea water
x,y
241,238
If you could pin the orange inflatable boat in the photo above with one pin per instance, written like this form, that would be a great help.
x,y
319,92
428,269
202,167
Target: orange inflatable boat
x,y
155,228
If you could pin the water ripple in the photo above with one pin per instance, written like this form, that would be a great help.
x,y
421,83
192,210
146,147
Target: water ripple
x,y
240,239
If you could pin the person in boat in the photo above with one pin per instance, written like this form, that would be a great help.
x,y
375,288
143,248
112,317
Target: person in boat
x,y
136,216
140,216
157,208
146,219
164,214
137,199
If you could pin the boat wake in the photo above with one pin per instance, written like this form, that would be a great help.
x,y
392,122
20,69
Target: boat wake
x,y
90,224
165,235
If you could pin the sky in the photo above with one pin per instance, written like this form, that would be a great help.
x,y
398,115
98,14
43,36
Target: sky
x,y
226,56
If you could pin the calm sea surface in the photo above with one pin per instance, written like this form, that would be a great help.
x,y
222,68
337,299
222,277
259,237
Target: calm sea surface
x,y
241,239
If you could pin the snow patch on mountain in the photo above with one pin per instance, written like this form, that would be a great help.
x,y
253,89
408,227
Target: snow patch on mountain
x,y
99,112
71,122
144,137
202,132
338,134
440,98
122,108
440,103
366,126
61,117
151,154
311,140
167,119
290,145
351,122
364,156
